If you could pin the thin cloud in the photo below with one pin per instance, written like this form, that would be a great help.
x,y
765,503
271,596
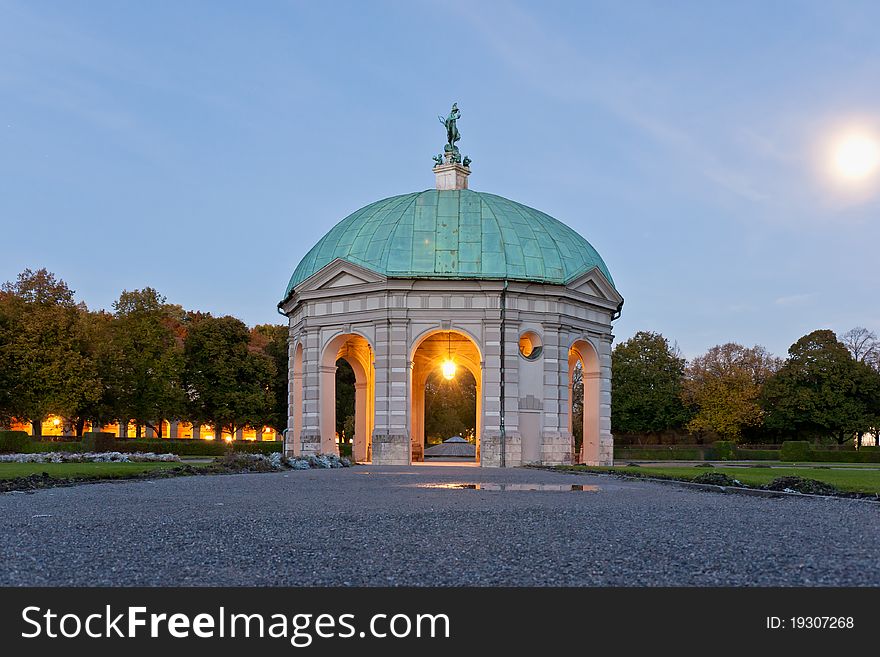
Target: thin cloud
x,y
793,300
525,45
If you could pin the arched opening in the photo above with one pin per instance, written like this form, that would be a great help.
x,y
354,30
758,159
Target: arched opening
x,y
345,407
447,382
576,410
582,356
358,356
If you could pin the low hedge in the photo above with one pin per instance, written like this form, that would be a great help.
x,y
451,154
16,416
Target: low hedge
x,y
864,455
197,447
791,451
159,446
13,442
696,454
757,454
38,446
801,450
98,441
725,450
663,454
795,450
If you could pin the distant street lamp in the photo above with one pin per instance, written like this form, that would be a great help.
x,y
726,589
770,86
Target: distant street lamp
x,y
448,366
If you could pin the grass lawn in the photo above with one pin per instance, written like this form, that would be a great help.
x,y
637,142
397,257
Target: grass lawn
x,y
82,470
848,480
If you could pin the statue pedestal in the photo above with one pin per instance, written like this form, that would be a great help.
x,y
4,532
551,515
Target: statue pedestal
x,y
452,176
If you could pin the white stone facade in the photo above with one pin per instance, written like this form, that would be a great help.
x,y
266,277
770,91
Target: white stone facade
x,y
379,324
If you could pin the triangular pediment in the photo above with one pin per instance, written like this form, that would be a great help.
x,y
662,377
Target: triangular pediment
x,y
342,280
594,284
339,274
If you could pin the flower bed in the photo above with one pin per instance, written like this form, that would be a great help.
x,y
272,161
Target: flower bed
x,y
278,461
88,457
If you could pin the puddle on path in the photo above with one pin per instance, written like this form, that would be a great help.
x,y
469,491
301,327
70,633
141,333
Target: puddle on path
x,y
514,487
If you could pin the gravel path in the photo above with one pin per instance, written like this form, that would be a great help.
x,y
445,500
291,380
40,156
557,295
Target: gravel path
x,y
377,526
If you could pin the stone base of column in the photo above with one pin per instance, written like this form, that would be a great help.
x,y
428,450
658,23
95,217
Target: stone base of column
x,y
310,443
418,452
606,451
391,449
556,448
292,445
490,450
601,454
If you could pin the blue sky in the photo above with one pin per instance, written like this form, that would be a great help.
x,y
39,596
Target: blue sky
x,y
203,147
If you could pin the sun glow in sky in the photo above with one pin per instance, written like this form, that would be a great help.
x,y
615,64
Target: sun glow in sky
x,y
855,156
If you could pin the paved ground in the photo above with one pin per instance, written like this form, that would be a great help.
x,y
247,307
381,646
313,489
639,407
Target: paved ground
x,y
376,526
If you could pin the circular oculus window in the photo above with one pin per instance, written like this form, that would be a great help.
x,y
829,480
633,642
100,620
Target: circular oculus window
x,y
530,346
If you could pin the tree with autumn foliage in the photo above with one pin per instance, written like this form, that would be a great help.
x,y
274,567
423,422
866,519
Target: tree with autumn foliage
x,y
723,388
44,350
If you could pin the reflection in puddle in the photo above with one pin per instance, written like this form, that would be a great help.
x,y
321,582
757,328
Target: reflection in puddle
x,y
516,487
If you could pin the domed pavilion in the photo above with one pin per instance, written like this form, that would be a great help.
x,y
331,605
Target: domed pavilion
x,y
440,282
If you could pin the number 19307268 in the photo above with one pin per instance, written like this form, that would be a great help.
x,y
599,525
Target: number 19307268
x,y
810,623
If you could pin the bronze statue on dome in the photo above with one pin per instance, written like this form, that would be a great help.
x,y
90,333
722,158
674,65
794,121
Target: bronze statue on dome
x,y
452,133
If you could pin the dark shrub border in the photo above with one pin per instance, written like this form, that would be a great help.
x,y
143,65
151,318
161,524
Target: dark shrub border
x,y
795,450
12,442
791,451
101,443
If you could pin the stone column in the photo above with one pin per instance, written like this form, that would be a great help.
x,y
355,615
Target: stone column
x,y
197,431
556,438
360,439
292,443
490,436
239,434
327,419
123,428
310,436
173,428
417,412
590,448
606,439
513,439
391,441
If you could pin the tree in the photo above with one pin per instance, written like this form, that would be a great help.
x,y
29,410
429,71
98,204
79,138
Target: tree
x,y
862,344
723,387
822,391
228,383
44,353
865,348
271,339
577,405
7,376
99,349
345,398
146,359
647,375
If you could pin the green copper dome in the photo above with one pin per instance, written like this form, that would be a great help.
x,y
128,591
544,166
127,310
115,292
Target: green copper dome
x,y
454,234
